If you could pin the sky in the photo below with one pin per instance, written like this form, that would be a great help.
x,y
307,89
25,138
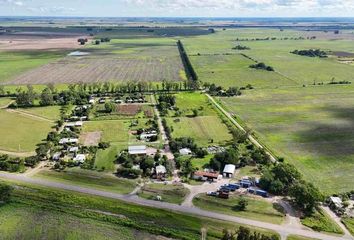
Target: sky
x,y
178,8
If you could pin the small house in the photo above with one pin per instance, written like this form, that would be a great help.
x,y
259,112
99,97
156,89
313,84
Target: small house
x,y
79,158
229,171
74,149
56,156
137,150
185,151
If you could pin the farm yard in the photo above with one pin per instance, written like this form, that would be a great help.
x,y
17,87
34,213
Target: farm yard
x,y
311,127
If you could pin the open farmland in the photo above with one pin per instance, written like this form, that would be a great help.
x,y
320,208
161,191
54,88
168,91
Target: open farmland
x,y
216,62
311,127
149,60
21,133
111,130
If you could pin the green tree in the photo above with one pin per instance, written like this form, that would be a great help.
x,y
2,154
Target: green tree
x,y
109,107
242,204
306,196
46,98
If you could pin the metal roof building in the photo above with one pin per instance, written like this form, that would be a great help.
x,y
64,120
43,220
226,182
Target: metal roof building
x,y
137,150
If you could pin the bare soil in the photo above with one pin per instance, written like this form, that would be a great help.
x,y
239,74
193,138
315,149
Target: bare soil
x,y
90,138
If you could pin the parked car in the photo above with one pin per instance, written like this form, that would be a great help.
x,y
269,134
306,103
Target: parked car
x,y
215,194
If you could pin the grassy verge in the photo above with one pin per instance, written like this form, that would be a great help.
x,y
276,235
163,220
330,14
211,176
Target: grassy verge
x,y
295,237
321,222
91,179
169,193
109,211
349,223
257,209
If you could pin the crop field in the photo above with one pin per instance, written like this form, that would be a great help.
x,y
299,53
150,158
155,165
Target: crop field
x,y
215,61
14,63
21,133
312,127
149,60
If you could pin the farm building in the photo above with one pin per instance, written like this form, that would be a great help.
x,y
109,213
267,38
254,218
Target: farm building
x,y
148,135
204,176
79,158
68,141
185,151
229,171
335,202
137,150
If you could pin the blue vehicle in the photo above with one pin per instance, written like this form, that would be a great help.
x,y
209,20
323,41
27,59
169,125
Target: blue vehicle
x,y
245,183
262,193
251,190
234,186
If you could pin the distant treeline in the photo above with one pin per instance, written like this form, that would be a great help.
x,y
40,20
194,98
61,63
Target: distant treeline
x,y
311,53
191,74
262,66
274,38
240,47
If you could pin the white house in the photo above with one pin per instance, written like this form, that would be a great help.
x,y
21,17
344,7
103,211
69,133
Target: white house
x,y
56,156
137,150
185,151
160,170
68,140
73,149
336,202
79,158
229,170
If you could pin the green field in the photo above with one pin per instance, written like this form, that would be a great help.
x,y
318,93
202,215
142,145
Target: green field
x,y
19,221
21,133
257,209
202,129
168,193
4,101
311,127
17,62
105,158
206,128
112,130
349,223
321,222
295,237
59,207
218,63
90,179
51,113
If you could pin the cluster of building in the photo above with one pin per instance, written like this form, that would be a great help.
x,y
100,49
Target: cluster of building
x,y
211,175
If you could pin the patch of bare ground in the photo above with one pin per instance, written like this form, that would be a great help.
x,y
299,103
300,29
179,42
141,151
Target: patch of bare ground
x,y
90,138
129,110
29,42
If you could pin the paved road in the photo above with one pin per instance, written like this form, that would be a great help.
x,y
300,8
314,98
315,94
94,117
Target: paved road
x,y
283,231
250,137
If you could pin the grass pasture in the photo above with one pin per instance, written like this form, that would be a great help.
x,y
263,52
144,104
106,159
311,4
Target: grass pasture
x,y
349,223
311,127
203,129
51,112
216,62
112,130
91,179
257,209
20,133
169,193
321,222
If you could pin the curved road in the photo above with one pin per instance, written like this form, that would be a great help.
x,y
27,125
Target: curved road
x,y
282,230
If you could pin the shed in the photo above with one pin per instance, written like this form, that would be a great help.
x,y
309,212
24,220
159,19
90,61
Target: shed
x,y
73,149
336,202
201,175
229,170
56,156
137,150
185,151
